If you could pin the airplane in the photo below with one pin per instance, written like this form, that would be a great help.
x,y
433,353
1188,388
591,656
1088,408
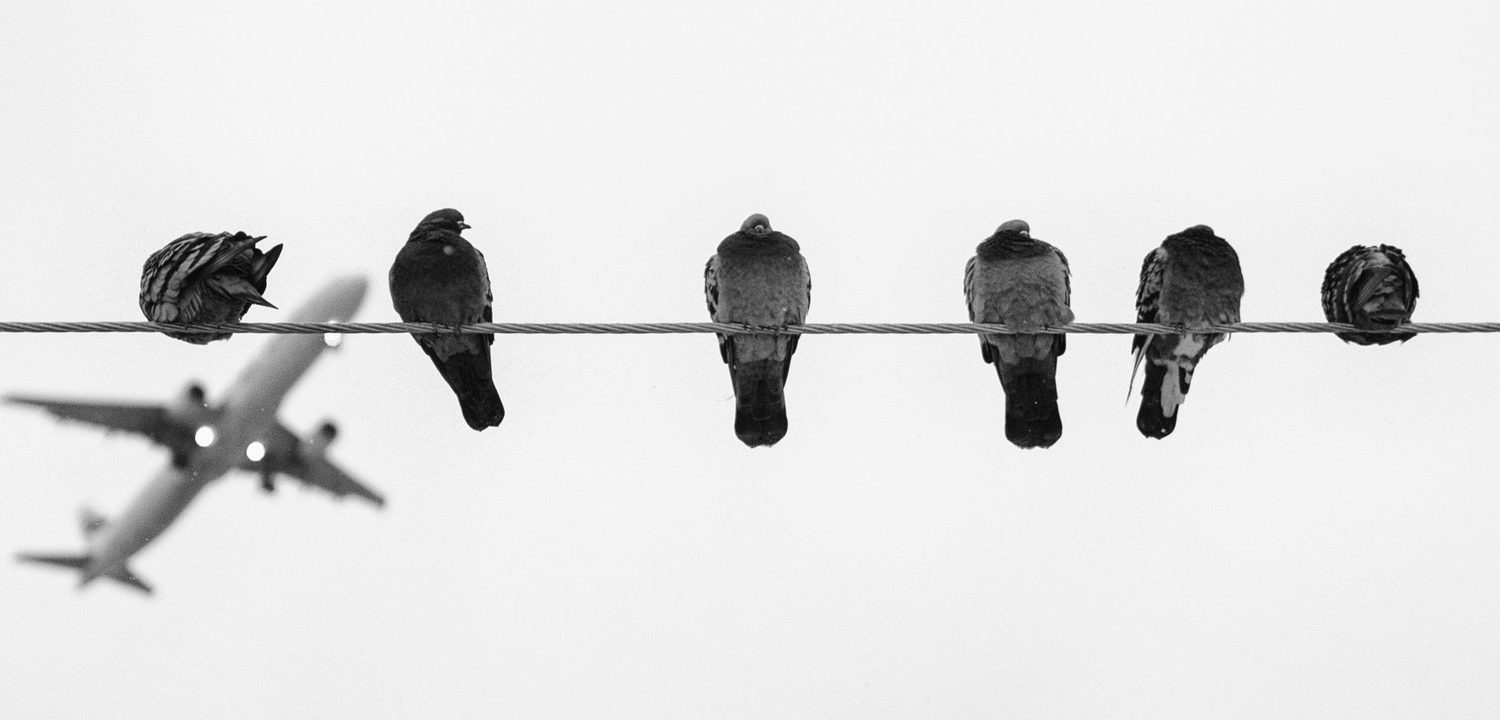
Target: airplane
x,y
207,441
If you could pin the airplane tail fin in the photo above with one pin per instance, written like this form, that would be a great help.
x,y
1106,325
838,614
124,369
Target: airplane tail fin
x,y
81,564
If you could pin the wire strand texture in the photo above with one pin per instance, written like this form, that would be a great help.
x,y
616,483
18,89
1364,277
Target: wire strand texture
x,y
353,328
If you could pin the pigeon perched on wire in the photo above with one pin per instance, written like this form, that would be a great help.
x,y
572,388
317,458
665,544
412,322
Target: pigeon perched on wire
x,y
1193,280
438,277
1373,288
205,278
1023,283
758,277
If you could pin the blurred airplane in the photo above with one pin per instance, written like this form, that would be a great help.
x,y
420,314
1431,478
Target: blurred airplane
x,y
241,432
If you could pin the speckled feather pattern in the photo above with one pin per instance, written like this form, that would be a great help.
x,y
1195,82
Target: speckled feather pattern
x,y
1193,279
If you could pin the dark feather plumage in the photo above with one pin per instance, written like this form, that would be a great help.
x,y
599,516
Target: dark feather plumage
x,y
438,277
1023,283
205,278
758,277
1371,287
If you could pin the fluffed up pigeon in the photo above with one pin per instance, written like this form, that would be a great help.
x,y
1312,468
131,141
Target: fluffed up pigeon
x,y
758,277
438,277
1370,287
1022,283
1192,280
205,278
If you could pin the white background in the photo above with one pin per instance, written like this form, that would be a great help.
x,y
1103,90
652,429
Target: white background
x,y
1318,538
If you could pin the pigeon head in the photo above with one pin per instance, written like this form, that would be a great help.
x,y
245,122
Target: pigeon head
x,y
1019,226
1199,231
445,219
757,225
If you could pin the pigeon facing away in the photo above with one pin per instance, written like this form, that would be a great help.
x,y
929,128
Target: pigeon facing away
x,y
1023,283
1370,287
758,277
1192,280
438,277
207,278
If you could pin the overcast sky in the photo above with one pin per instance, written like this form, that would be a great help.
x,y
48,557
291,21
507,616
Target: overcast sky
x,y
1320,537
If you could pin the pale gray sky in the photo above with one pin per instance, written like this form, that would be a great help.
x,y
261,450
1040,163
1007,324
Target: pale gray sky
x,y
1318,538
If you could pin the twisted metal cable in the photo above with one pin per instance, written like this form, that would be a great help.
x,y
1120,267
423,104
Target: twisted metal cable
x,y
700,327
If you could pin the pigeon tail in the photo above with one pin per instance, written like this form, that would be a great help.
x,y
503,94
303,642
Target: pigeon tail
x,y
1154,420
470,376
1031,416
760,406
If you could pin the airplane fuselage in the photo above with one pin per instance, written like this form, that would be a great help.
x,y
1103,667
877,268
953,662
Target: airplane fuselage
x,y
147,517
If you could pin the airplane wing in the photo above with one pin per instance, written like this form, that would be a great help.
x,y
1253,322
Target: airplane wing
x,y
287,454
152,421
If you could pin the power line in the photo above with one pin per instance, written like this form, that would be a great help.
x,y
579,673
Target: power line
x,y
351,328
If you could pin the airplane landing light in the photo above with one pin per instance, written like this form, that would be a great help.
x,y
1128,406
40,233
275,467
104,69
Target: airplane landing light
x,y
205,436
255,451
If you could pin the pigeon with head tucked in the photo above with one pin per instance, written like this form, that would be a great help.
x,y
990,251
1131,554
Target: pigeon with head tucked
x,y
758,277
1372,288
205,278
1193,280
1023,283
438,277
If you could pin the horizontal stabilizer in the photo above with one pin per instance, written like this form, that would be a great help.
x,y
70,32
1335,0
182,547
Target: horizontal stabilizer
x,y
80,563
124,575
77,562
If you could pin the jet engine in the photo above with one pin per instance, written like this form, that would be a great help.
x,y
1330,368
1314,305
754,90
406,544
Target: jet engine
x,y
319,440
191,406
90,521
190,410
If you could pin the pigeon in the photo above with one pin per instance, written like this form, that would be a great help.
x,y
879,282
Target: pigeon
x,y
1191,281
1372,288
758,277
205,278
438,277
1023,283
